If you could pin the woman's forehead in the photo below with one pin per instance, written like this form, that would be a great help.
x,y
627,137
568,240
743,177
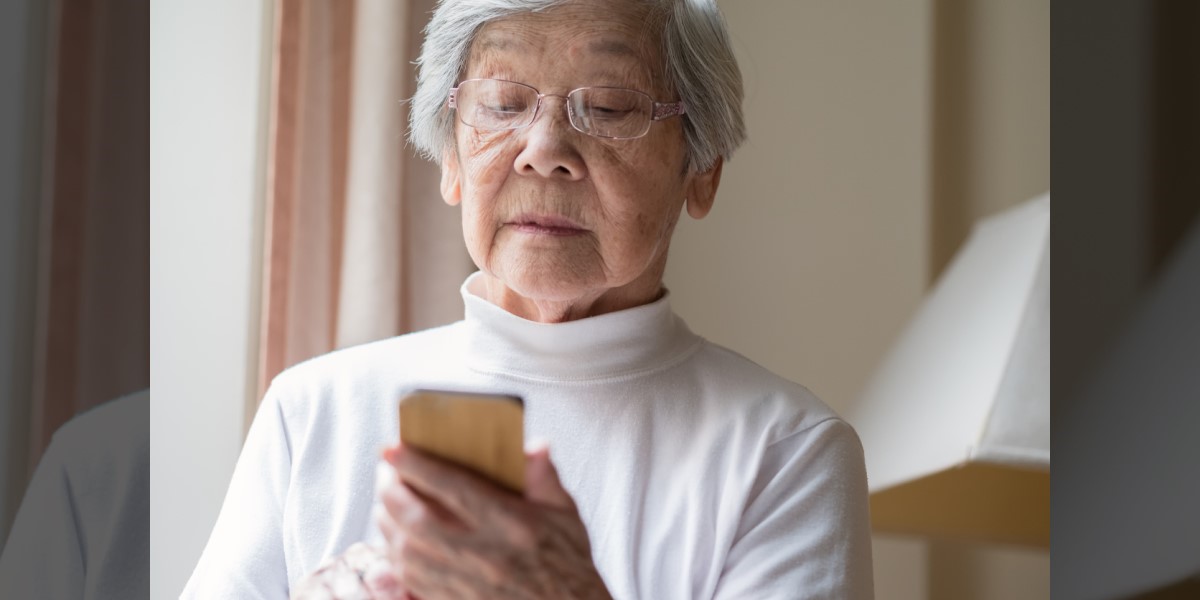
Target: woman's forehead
x,y
579,35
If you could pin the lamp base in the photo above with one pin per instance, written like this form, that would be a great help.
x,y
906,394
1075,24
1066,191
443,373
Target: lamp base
x,y
976,502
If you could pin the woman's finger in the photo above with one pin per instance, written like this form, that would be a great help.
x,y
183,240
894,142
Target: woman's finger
x,y
468,496
542,485
408,505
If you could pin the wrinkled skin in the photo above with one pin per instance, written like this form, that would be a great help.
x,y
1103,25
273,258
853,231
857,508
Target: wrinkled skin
x,y
452,534
361,573
625,196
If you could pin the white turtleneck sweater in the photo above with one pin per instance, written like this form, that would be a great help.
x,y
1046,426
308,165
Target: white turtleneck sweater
x,y
698,473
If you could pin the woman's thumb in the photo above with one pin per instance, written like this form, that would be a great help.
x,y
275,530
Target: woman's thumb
x,y
541,480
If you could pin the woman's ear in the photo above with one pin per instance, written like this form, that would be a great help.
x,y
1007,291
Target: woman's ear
x,y
451,181
702,190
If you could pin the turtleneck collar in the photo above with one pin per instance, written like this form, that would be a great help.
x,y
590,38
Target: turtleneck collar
x,y
625,343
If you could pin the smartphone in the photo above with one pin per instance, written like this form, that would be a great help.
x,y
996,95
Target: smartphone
x,y
484,433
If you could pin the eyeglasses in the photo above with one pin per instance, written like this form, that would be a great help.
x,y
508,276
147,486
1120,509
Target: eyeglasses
x,y
615,113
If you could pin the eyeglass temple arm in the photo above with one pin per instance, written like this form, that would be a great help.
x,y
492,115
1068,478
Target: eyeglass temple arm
x,y
452,101
662,110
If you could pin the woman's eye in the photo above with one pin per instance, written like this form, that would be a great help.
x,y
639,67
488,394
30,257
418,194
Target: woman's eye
x,y
609,112
504,107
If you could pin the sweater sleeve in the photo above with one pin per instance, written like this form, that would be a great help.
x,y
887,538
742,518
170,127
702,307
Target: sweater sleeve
x,y
44,554
244,557
805,530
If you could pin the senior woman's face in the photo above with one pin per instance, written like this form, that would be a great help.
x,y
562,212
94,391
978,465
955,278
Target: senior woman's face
x,y
564,224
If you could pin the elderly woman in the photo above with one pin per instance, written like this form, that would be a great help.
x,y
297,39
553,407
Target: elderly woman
x,y
572,135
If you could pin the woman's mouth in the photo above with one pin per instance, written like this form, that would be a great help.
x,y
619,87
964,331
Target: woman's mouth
x,y
546,225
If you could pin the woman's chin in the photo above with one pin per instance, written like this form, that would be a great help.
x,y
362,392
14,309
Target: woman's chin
x,y
536,281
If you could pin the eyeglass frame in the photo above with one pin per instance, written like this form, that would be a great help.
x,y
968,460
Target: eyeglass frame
x,y
661,110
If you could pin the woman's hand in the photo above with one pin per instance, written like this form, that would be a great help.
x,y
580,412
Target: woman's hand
x,y
361,573
452,534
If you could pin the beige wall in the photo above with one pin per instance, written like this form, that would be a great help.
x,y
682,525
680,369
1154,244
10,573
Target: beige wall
x,y
991,137
815,252
879,131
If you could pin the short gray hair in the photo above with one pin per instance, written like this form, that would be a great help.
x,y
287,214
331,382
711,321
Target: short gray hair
x,y
700,67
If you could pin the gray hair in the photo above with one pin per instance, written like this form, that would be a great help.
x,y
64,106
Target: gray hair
x,y
700,67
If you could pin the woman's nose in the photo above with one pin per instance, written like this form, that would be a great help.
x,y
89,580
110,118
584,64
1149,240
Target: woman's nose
x,y
549,144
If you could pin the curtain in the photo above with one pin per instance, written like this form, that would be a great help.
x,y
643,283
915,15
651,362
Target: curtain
x,y
74,328
91,325
358,244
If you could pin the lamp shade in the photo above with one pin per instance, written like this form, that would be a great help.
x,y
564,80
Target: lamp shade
x,y
955,422
1127,511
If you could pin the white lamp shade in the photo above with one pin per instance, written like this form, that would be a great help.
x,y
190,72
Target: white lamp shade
x,y
956,421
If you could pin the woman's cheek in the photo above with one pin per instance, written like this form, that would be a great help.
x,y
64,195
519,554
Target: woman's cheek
x,y
487,146
477,238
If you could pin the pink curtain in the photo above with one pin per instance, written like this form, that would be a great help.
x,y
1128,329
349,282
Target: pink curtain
x,y
358,245
91,329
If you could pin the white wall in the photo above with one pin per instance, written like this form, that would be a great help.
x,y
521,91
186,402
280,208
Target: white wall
x,y
815,252
819,247
207,87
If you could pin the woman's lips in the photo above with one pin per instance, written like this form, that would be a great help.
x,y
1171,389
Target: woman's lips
x,y
546,225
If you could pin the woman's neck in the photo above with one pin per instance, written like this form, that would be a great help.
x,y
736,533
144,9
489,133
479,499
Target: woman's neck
x,y
588,304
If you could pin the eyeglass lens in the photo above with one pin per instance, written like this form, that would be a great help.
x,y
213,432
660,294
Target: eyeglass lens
x,y
602,112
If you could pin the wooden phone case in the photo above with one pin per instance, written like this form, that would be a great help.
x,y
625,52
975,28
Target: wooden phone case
x,y
482,432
